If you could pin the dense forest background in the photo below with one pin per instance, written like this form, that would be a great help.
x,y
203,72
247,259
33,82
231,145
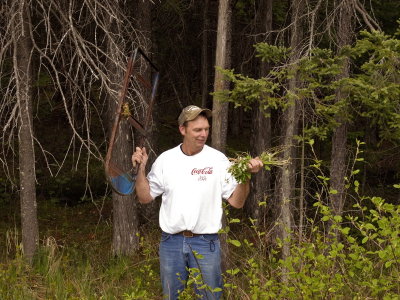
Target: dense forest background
x,y
310,85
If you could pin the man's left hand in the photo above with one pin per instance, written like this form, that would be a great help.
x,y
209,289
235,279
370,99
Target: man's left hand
x,y
255,165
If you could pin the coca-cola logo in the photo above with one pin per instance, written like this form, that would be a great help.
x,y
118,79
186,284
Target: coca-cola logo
x,y
206,170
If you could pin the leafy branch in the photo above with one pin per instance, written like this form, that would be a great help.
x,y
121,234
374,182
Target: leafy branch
x,y
240,165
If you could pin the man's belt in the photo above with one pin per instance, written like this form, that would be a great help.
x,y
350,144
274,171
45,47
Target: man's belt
x,y
188,233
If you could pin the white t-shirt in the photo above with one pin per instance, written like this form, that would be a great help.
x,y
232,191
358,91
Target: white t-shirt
x,y
192,189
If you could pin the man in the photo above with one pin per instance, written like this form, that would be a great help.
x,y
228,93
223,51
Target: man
x,y
192,179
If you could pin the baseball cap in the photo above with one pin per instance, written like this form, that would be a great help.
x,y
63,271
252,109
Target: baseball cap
x,y
191,112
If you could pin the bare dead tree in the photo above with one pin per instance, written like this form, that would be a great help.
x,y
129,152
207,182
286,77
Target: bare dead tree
x,y
74,56
22,61
70,40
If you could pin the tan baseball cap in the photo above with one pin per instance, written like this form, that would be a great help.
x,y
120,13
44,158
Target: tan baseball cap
x,y
191,112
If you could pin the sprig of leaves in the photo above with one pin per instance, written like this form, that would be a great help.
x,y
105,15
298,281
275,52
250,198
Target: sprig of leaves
x,y
240,165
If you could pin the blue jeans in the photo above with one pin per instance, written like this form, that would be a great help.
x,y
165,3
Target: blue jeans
x,y
177,257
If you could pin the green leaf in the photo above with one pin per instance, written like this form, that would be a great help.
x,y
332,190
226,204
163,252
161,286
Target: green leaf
x,y
235,242
338,218
382,254
233,271
345,230
324,178
388,264
370,226
325,218
364,240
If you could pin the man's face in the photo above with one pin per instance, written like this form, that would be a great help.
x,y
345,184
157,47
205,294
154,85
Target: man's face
x,y
195,133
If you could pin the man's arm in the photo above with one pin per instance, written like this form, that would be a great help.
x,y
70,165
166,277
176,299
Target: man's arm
x,y
142,184
239,195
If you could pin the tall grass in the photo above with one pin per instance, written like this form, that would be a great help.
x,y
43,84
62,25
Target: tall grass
x,y
359,258
59,272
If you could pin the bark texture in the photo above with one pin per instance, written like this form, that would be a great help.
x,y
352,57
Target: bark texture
x,y
261,125
142,15
339,140
125,218
286,183
222,60
220,110
23,74
204,55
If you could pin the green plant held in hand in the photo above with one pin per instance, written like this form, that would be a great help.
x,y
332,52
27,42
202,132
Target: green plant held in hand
x,y
240,165
239,168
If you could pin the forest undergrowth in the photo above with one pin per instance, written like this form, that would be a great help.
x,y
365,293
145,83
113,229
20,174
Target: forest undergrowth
x,y
348,257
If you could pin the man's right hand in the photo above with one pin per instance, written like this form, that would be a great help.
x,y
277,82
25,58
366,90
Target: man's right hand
x,y
142,184
140,157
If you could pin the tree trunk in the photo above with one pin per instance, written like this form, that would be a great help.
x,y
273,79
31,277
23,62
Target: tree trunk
x,y
23,74
220,110
204,55
222,60
125,217
142,16
339,139
286,182
261,182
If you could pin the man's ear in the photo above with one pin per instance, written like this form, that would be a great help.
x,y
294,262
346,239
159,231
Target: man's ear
x,y
182,129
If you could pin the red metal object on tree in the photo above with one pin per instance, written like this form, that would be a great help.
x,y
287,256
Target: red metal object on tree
x,y
121,181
